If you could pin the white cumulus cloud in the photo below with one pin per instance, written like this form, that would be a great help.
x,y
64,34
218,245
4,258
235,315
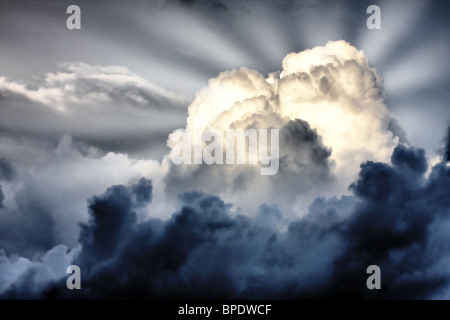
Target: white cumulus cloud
x,y
332,88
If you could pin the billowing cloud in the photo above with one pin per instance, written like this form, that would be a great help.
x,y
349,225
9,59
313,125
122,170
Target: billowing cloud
x,y
223,231
2,197
7,171
46,201
396,218
113,216
304,167
25,279
331,90
401,225
447,143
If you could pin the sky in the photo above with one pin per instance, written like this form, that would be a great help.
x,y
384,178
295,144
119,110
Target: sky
x,y
87,125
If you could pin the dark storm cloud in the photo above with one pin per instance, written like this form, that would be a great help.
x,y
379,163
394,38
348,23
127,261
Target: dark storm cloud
x,y
210,5
392,227
2,197
113,218
298,138
47,198
334,206
28,228
447,143
7,171
397,219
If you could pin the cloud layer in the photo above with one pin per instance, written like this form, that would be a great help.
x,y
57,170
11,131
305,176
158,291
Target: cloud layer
x,y
105,106
350,191
397,219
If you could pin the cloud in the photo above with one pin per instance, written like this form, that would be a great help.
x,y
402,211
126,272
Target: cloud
x,y
25,279
29,228
80,84
7,171
399,224
201,244
232,233
2,197
46,201
112,218
208,5
396,218
329,90
447,143
302,158
109,107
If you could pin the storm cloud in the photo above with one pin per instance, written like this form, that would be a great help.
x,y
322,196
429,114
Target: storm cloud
x,y
7,171
85,129
46,200
397,218
2,197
